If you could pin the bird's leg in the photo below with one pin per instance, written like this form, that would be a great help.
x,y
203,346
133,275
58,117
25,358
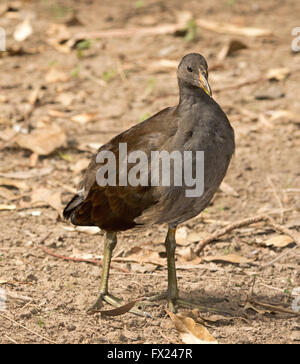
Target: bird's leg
x,y
109,245
172,279
172,292
104,295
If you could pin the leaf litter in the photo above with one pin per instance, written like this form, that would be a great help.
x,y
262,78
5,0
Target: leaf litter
x,y
190,331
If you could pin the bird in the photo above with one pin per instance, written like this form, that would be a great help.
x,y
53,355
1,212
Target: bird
x,y
196,124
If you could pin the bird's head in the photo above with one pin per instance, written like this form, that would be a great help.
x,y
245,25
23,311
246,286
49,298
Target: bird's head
x,y
192,70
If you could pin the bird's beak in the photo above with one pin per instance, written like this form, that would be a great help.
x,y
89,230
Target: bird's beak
x,y
204,84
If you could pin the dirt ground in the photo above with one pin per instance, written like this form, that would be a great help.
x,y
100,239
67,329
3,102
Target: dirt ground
x,y
111,84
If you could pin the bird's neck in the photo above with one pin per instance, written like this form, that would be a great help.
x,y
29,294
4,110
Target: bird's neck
x,y
190,95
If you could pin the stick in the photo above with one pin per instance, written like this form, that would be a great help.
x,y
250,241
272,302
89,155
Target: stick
x,y
92,261
129,32
274,308
246,222
32,332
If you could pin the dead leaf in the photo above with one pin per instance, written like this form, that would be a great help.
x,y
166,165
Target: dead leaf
x,y
121,310
139,255
230,48
7,134
23,30
31,173
34,96
43,196
58,114
185,237
80,165
65,98
214,317
278,74
42,141
279,241
22,186
190,331
226,28
59,37
187,254
55,75
7,194
7,207
260,311
142,268
284,114
33,159
228,190
228,258
91,230
84,118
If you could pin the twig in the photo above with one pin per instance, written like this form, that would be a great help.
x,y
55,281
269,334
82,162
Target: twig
x,y
92,261
277,197
129,32
248,82
240,85
243,223
277,258
275,308
24,327
10,339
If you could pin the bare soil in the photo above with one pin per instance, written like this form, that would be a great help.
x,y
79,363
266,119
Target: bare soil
x,y
122,81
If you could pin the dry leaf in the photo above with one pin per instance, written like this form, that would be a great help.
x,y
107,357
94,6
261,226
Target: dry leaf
x,y
228,258
42,141
54,75
187,254
7,207
121,310
185,237
48,197
139,255
278,73
10,182
31,173
214,317
59,37
7,194
142,268
84,118
58,114
226,28
190,331
91,230
228,190
23,31
260,311
230,48
280,241
80,165
285,114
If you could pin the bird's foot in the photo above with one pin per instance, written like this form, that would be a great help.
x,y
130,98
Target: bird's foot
x,y
116,302
173,303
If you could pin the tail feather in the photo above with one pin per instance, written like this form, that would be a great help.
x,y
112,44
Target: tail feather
x,y
72,206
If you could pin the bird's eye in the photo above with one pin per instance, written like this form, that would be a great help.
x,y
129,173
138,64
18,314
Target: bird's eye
x,y
189,69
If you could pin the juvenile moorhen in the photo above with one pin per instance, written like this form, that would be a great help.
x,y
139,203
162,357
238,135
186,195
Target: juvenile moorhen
x,y
197,123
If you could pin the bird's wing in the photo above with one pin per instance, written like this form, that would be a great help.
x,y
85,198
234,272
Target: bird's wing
x,y
114,208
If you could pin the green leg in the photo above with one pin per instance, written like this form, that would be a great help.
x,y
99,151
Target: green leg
x,y
172,278
110,244
172,292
